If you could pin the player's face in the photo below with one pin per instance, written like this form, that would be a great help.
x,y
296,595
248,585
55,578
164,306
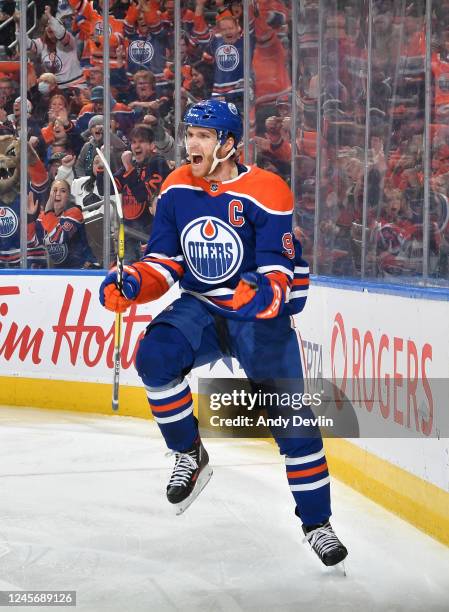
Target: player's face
x,y
60,196
200,143
141,149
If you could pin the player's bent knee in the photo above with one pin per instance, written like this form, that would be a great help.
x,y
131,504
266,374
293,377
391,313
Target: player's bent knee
x,y
163,355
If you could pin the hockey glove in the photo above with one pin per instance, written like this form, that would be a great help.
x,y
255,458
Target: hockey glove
x,y
110,295
258,296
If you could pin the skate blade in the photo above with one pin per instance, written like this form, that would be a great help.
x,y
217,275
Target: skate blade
x,y
337,569
203,479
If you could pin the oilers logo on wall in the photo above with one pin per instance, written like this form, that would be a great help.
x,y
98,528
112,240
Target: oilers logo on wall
x,y
227,57
141,51
9,222
212,249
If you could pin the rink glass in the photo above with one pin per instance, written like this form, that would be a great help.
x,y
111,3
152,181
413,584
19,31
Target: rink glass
x,y
348,102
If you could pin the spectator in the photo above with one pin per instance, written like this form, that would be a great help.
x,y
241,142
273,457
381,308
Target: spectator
x,y
41,94
64,232
144,98
139,179
14,119
60,130
147,49
89,30
8,93
226,50
123,114
57,52
84,189
199,82
55,159
94,137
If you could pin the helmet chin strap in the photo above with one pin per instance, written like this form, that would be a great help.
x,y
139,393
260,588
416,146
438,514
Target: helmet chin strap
x,y
217,160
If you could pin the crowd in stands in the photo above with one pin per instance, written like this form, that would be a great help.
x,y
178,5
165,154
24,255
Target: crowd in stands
x,y
65,122
391,228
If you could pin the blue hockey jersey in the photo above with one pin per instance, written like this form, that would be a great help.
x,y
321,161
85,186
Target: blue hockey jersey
x,y
206,234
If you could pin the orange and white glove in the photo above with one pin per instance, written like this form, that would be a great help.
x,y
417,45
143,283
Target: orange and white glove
x,y
258,296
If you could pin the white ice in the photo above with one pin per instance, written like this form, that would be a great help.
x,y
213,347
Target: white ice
x,y
82,507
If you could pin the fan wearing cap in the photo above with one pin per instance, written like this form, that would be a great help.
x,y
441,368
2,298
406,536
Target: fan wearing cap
x,y
224,231
94,139
123,114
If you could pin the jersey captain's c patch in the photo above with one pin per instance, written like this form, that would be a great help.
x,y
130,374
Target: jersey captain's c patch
x,y
212,249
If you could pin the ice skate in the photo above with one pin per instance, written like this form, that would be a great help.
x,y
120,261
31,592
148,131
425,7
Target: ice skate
x,y
190,475
325,543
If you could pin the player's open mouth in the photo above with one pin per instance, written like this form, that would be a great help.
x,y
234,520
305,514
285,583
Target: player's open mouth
x,y
197,159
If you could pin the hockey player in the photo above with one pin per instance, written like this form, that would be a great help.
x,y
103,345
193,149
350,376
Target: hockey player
x,y
223,230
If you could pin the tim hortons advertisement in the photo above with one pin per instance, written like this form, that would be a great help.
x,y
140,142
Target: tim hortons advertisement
x,y
55,327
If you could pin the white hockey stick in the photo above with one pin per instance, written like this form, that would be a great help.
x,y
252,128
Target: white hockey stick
x,y
120,258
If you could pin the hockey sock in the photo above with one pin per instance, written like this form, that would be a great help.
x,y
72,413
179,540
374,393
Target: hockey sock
x,y
172,408
308,478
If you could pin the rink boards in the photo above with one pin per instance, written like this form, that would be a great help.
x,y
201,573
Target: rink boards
x,y
388,353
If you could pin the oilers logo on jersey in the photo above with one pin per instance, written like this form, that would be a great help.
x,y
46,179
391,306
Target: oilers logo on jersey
x,y
227,57
141,51
57,252
52,63
9,222
98,29
207,238
213,250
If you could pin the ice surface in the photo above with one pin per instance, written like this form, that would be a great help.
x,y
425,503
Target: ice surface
x,y
82,502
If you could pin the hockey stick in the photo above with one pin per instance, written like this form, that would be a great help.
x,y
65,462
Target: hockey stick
x,y
120,258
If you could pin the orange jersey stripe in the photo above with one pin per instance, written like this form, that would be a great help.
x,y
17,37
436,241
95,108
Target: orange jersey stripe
x,y
309,472
300,281
172,405
265,188
167,262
